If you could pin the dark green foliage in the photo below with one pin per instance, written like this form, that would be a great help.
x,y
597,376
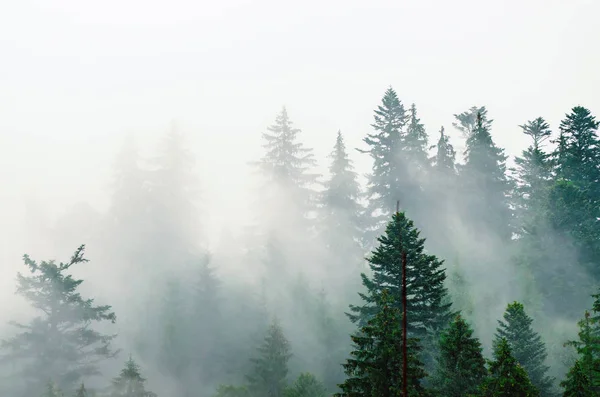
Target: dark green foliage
x,y
460,365
130,382
588,347
577,382
506,377
270,371
59,344
375,366
307,385
389,174
526,345
427,298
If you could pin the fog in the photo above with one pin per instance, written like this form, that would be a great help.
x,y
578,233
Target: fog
x,y
79,80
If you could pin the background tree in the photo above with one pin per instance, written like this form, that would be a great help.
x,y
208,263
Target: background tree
x,y
386,181
307,385
130,382
59,344
460,365
526,346
506,377
271,367
577,383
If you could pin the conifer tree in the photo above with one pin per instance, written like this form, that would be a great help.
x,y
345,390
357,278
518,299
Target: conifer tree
x,y
232,391
130,382
340,228
428,304
60,343
466,122
444,160
287,164
526,346
270,371
81,391
588,348
415,147
575,199
307,385
485,183
375,366
389,173
506,377
52,390
460,365
577,382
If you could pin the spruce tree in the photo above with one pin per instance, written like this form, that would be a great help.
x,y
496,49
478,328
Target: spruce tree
x,y
415,147
173,346
466,122
460,365
577,382
389,174
588,348
307,385
52,390
60,343
526,345
130,382
444,160
506,377
375,365
81,391
485,183
340,227
427,298
576,197
270,371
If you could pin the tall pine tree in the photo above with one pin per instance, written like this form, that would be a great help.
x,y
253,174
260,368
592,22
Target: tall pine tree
x,y
270,371
60,343
526,345
506,377
388,177
130,382
460,365
427,298
375,366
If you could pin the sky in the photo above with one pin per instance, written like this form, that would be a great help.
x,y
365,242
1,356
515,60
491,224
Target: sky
x,y
77,76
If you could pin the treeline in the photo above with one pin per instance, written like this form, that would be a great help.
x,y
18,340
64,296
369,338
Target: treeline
x,y
528,235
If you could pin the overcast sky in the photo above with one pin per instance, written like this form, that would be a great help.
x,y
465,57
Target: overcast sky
x,y
77,75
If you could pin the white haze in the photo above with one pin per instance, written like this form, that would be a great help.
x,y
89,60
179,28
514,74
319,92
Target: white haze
x,y
77,76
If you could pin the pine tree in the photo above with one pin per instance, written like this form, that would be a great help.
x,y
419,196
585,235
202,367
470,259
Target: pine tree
x,y
307,385
59,344
576,196
485,183
130,382
340,220
444,160
461,366
286,165
466,122
428,307
375,366
270,370
588,347
506,377
81,391
52,390
526,345
387,180
577,382
415,146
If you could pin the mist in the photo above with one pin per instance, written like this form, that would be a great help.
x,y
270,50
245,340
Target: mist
x,y
99,102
